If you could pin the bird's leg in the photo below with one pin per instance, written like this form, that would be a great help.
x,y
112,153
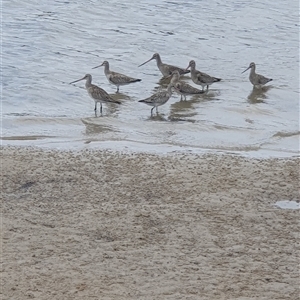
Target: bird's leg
x,y
117,89
207,87
156,110
184,97
152,110
100,107
180,97
95,109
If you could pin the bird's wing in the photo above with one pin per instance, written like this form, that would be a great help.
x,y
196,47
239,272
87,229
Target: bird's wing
x,y
205,78
188,89
157,97
174,68
262,79
118,78
98,93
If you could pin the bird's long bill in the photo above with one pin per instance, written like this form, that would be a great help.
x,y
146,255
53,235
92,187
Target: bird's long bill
x,y
77,80
187,68
98,66
146,62
246,70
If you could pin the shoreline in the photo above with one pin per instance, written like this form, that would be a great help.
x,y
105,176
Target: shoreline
x,y
130,147
118,225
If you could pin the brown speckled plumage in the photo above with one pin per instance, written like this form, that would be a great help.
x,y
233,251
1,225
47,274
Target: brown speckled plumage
x,y
183,88
256,79
159,98
115,78
201,78
95,92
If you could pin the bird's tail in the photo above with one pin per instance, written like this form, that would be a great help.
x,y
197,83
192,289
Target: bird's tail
x,y
114,101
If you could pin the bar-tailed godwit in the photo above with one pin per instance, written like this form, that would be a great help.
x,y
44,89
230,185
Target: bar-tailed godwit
x,y
165,69
256,79
183,88
115,78
95,92
200,77
159,98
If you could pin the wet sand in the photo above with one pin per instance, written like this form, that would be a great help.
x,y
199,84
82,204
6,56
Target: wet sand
x,y
111,225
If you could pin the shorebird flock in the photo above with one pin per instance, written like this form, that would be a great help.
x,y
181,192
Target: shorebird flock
x,y
168,71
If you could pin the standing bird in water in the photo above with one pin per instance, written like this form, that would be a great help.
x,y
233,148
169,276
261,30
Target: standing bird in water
x,y
115,78
257,80
201,78
183,88
159,98
98,94
165,69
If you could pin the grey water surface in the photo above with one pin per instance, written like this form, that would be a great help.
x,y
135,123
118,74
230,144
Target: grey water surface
x,y
47,44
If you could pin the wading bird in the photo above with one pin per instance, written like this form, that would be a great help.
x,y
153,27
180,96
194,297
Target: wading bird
x,y
98,94
115,78
201,78
257,80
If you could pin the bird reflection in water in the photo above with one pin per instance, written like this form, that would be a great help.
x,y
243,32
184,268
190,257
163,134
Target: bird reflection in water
x,y
182,110
258,95
112,108
96,129
157,117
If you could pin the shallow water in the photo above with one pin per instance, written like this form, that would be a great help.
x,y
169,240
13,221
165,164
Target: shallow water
x,y
48,45
286,204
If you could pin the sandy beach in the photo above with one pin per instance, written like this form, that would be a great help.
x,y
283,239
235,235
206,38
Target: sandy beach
x,y
112,225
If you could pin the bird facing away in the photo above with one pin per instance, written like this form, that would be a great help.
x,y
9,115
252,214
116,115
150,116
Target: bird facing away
x,y
115,78
257,80
98,94
159,98
183,88
165,69
201,78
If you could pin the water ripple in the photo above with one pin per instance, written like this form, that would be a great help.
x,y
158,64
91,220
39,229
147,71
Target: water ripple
x,y
48,44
